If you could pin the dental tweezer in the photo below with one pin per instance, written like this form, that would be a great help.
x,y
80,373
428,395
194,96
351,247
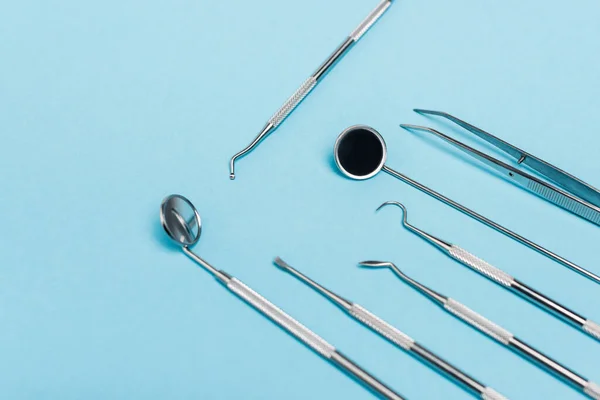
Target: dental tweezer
x,y
495,331
304,90
502,278
571,194
395,336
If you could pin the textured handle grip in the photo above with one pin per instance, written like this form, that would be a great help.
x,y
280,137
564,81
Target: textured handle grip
x,y
491,394
370,20
481,266
383,328
593,390
281,318
556,197
293,101
592,328
479,322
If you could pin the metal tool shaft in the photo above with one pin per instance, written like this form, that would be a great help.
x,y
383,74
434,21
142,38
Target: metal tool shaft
x,y
500,335
502,278
296,329
304,90
395,336
494,225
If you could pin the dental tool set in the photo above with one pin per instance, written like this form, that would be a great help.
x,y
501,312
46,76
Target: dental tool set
x,y
360,153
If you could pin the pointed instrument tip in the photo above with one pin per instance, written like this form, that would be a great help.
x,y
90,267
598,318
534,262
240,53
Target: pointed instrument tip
x,y
423,111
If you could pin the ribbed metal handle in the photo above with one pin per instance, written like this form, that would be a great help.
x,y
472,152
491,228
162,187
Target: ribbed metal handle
x,y
370,20
281,318
293,102
582,209
382,327
481,266
593,390
592,328
483,324
491,394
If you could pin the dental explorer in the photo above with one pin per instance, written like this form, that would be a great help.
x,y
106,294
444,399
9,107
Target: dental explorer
x,y
360,153
502,278
304,90
573,195
494,331
182,223
395,336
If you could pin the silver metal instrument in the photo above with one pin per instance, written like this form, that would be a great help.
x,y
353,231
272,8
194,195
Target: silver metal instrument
x,y
496,332
290,105
574,195
360,153
182,223
502,278
395,336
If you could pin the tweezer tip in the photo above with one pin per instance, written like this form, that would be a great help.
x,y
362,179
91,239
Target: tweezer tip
x,y
409,126
423,111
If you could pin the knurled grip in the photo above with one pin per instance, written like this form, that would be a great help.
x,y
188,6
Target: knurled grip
x,y
478,321
481,266
370,20
293,101
593,390
383,328
281,318
491,394
561,200
592,328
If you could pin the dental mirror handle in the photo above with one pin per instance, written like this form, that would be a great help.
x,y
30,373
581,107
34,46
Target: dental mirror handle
x,y
506,280
506,338
492,224
304,90
298,330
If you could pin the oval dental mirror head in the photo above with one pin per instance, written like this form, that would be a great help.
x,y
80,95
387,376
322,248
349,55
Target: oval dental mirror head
x,y
360,152
180,220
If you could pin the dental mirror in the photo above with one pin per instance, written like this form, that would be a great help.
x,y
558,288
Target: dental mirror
x,y
360,152
180,220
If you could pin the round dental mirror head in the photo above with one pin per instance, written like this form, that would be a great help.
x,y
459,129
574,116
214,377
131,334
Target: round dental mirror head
x,y
181,220
360,152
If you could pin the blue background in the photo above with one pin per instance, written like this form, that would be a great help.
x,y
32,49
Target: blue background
x,y
108,107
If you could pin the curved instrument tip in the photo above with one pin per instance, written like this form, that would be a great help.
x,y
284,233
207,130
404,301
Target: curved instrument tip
x,y
376,264
409,127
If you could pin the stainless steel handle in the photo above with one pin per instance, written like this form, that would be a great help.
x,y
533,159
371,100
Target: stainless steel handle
x,y
565,200
348,365
281,318
370,20
293,102
593,390
481,266
383,328
407,343
481,323
491,394
592,328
